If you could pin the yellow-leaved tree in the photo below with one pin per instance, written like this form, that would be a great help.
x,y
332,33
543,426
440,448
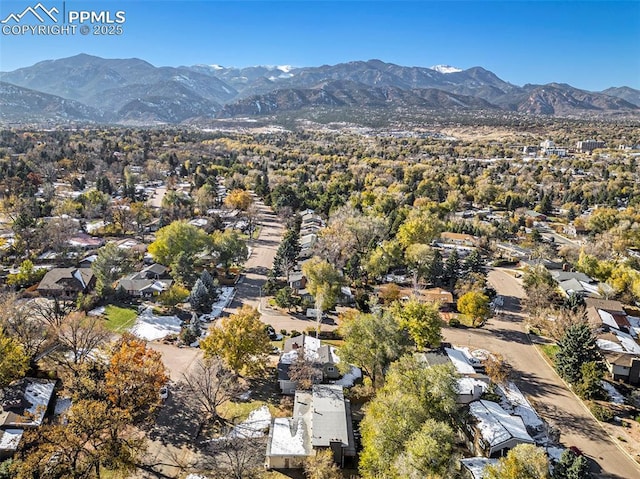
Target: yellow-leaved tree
x,y
240,340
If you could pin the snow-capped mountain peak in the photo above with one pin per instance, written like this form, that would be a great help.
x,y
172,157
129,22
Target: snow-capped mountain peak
x,y
445,69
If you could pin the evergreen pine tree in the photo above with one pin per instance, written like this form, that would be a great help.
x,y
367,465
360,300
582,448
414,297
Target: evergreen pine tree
x,y
577,347
199,298
473,262
452,269
210,284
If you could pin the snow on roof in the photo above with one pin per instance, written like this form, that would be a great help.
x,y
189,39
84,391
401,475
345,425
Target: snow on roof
x,y
38,392
9,439
607,345
460,361
627,341
467,385
554,452
62,405
151,327
254,426
614,396
496,425
514,401
288,437
476,465
608,319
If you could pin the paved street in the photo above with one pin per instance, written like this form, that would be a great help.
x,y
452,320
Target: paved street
x,y
538,380
249,289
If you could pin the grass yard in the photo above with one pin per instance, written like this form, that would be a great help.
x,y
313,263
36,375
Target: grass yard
x,y
118,318
550,350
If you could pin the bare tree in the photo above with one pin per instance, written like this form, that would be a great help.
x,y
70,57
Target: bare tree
x,y
237,458
53,311
211,383
304,371
79,336
17,320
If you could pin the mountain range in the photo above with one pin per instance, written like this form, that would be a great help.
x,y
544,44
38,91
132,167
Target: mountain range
x,y
86,88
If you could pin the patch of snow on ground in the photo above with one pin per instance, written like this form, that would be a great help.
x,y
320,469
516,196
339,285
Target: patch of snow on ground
x,y
151,327
614,396
99,311
349,379
225,296
254,426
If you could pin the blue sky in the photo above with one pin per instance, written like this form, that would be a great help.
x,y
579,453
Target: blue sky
x,y
590,45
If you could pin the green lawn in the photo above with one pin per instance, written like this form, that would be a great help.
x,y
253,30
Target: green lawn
x,y
550,350
118,318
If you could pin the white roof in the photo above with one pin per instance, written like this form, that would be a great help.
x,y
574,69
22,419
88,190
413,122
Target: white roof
x,y
476,465
607,318
496,425
38,393
9,439
288,437
627,341
467,385
607,345
460,361
514,401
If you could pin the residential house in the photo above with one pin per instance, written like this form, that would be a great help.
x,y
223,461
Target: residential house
x,y
67,282
623,366
297,281
323,356
321,420
470,385
23,405
492,431
459,239
84,241
151,281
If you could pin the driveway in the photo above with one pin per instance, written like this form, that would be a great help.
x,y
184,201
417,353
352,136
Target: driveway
x,y
547,393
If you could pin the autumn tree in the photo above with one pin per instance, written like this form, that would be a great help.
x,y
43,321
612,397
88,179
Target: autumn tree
x,y
238,200
428,452
14,362
525,461
372,342
321,466
323,282
178,237
134,378
475,306
19,321
240,341
229,247
94,438
497,368
422,320
210,383
420,227
406,418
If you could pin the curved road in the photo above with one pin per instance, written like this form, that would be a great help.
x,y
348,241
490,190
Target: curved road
x,y
546,391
